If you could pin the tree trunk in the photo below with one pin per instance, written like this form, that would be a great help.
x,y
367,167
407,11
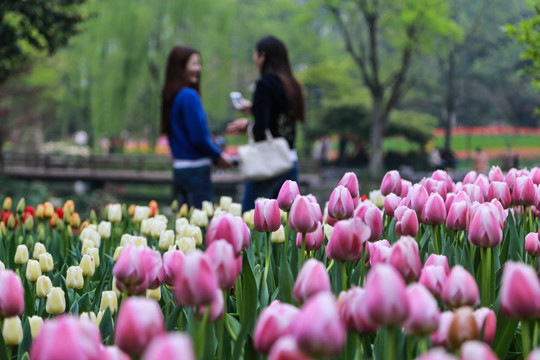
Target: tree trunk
x,y
376,161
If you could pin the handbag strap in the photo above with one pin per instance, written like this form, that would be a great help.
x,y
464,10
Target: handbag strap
x,y
251,138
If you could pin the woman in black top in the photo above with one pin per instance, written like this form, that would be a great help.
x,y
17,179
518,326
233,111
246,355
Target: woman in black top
x,y
277,105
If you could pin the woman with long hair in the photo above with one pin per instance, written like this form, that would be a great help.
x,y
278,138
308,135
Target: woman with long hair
x,y
277,105
185,123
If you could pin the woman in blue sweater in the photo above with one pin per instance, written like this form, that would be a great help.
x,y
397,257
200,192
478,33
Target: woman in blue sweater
x,y
277,104
184,121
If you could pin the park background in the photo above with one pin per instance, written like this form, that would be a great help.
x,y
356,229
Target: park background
x,y
417,68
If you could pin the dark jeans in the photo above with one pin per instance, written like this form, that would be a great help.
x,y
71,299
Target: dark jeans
x,y
193,186
266,188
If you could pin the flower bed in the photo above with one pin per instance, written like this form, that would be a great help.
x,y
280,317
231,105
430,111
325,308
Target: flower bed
x,y
432,270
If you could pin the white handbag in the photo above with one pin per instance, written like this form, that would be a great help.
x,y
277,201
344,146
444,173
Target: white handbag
x,y
261,160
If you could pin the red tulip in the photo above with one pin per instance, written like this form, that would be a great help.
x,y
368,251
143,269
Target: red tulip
x,y
385,298
11,294
303,218
318,329
391,183
170,346
273,322
347,240
288,192
267,217
460,288
67,337
196,282
311,280
139,321
520,291
353,312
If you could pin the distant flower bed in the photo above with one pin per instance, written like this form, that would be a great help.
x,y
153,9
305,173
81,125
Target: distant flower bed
x,y
428,270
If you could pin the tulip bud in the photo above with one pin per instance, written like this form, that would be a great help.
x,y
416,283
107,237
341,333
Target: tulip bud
x,y
74,277
207,206
56,301
314,240
523,191
417,198
274,322
462,328
7,204
278,236
29,223
199,218
532,244
433,278
21,255
340,205
117,253
114,213
391,202
350,181
33,270
46,262
311,280
472,350
520,291
141,213
267,217
486,323
39,249
43,286
424,311
11,294
186,244
434,211
225,202
230,228
379,252
166,239
391,183
87,265
353,312
108,300
196,282
485,229
288,192
460,288
154,293
405,258
303,216
286,348
36,323
169,346
104,229
12,331
236,209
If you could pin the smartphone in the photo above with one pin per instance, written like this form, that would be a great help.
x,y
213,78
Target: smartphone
x,y
236,99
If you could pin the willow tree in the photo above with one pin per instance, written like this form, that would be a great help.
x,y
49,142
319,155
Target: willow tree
x,y
385,37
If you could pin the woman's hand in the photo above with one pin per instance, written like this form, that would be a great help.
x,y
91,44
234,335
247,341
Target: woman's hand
x,y
225,161
238,126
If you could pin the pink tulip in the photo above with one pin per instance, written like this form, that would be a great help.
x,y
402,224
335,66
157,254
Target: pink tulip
x,y
231,229
350,181
499,190
311,280
286,349
406,185
457,216
11,294
482,182
417,198
437,354
443,176
196,282
172,263
537,196
532,244
340,205
523,191
520,291
486,321
372,216
441,260
484,226
303,218
113,353
511,177
391,183
130,270
434,212
440,337
288,192
273,322
474,193
67,337
406,221
405,258
476,350
495,174
221,256
139,321
449,201
470,177
154,267
317,211
534,355
347,240
318,329
216,308
424,311
435,186
314,240
353,312
391,202
433,278
267,217
379,252
385,298
170,346
535,175
460,288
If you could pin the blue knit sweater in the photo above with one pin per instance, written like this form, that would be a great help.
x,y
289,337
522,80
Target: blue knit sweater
x,y
189,138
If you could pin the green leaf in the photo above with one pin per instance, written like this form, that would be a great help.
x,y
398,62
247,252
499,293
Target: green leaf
x,y
24,346
172,317
286,280
3,348
249,291
106,326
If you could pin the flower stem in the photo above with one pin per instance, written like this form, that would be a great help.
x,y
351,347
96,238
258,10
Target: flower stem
x,y
303,250
201,334
525,337
363,262
330,266
486,277
287,229
343,276
268,248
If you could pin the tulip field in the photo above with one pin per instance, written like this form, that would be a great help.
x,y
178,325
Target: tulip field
x,y
441,269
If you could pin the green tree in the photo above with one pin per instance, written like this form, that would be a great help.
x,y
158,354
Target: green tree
x,y
384,38
28,27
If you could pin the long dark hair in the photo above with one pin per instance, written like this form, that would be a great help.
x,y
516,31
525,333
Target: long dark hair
x,y
276,62
176,78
